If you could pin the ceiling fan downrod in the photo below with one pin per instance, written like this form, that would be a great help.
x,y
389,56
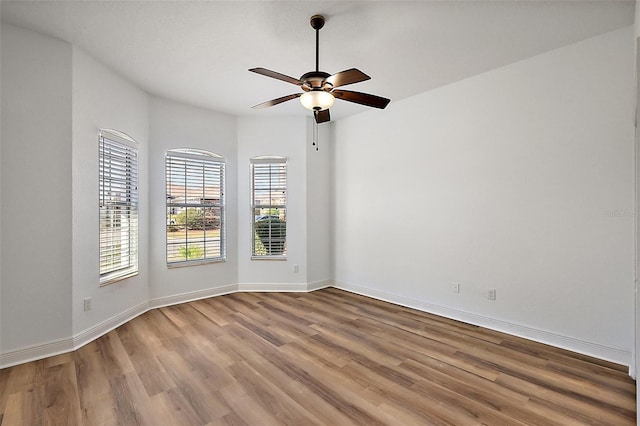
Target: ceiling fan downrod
x,y
317,22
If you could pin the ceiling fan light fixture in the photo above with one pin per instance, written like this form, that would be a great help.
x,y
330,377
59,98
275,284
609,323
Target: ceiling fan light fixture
x,y
317,100
319,87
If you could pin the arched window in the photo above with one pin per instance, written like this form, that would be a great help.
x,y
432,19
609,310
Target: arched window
x,y
118,205
195,207
269,207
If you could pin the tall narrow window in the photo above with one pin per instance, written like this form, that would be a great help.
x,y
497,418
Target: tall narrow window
x,y
269,207
195,207
118,193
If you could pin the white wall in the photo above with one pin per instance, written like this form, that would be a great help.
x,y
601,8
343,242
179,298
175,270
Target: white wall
x,y
637,19
174,125
285,137
103,99
319,224
36,182
1,330
520,179
636,360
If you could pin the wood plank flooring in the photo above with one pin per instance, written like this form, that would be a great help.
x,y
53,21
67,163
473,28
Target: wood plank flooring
x,y
323,358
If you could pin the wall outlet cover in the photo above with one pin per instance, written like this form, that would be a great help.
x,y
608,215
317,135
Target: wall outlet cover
x,y
492,294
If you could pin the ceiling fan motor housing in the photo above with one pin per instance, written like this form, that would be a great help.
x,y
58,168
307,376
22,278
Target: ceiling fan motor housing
x,y
315,80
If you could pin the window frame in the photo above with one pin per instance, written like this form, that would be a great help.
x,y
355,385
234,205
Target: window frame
x,y
122,177
206,158
281,207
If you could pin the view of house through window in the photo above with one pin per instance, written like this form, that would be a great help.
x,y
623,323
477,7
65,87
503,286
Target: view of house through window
x,y
195,206
118,205
269,207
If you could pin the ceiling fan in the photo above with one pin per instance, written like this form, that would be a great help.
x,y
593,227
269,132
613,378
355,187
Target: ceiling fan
x,y
320,89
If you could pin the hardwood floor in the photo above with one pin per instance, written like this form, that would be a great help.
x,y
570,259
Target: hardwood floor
x,y
323,358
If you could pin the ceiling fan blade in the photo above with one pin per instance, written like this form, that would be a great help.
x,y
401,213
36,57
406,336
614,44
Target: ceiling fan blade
x,y
277,101
322,116
345,77
276,75
362,98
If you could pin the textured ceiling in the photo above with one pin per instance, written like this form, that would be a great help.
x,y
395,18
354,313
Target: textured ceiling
x,y
198,52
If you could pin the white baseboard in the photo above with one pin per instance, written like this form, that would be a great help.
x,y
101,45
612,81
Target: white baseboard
x,y
57,347
91,334
289,287
36,352
160,302
619,356
317,285
265,287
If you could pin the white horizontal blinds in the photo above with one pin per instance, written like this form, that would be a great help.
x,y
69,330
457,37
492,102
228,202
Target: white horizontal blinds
x,y
269,206
195,206
118,205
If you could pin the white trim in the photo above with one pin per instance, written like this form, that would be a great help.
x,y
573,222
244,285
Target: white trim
x,y
616,355
160,302
195,154
35,352
188,263
632,364
115,276
120,137
99,330
267,287
318,285
268,160
56,347
276,257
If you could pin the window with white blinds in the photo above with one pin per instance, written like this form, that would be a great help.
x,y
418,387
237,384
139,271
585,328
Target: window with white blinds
x,y
118,205
269,207
195,207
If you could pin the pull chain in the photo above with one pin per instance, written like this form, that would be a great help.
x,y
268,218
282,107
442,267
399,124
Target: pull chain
x,y
315,135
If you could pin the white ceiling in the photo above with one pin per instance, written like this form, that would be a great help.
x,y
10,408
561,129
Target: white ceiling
x,y
199,52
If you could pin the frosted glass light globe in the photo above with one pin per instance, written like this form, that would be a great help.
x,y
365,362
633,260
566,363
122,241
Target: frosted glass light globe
x,y
317,100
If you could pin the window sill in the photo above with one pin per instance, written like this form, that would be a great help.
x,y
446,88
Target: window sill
x,y
115,279
187,263
280,258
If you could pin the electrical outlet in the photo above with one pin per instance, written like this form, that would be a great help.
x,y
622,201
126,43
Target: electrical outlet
x,y
87,304
455,287
491,294
296,268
